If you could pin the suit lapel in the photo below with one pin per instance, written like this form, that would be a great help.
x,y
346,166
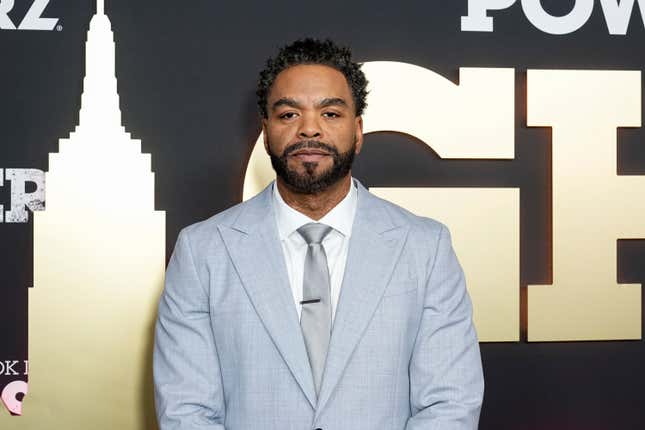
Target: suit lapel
x,y
254,247
374,249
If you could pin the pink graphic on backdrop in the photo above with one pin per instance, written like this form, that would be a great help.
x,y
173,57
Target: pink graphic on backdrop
x,y
10,396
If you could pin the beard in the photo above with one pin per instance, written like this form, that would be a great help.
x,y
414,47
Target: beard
x,y
311,182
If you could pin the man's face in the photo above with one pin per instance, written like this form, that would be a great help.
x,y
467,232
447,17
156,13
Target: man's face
x,y
312,132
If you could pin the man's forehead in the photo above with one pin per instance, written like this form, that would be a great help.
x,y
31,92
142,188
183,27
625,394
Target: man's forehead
x,y
310,81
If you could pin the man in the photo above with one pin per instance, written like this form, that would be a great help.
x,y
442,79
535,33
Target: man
x,y
315,305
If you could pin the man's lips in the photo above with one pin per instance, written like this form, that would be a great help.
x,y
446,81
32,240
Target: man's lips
x,y
310,155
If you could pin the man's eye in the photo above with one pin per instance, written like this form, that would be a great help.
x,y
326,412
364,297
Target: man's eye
x,y
331,115
288,115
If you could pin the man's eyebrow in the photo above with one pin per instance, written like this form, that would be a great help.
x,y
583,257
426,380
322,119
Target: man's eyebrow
x,y
285,101
332,101
326,102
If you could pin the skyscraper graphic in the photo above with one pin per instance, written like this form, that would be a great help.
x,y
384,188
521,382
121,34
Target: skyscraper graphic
x,y
98,269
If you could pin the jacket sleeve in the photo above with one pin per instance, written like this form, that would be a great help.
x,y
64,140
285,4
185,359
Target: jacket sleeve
x,y
446,378
187,378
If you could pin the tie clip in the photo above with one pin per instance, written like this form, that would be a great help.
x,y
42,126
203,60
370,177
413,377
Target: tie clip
x,y
306,302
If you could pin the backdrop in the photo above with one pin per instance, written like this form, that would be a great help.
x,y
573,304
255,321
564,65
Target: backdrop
x,y
186,80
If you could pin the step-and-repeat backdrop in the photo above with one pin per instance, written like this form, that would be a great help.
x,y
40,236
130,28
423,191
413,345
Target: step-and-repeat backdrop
x,y
515,122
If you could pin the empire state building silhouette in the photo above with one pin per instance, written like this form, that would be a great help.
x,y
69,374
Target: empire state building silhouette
x,y
99,260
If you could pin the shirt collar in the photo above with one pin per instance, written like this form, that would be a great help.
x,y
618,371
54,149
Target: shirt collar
x,y
340,218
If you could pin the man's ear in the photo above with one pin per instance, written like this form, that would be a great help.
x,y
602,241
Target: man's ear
x,y
359,134
264,135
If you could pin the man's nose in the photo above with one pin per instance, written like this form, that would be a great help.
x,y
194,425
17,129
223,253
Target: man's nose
x,y
309,127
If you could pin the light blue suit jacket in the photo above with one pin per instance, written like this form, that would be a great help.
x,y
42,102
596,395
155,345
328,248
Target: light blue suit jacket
x,y
229,352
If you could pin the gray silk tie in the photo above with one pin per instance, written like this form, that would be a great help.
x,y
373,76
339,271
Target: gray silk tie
x,y
315,318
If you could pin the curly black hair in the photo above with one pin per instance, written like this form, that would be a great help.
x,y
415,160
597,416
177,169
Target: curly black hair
x,y
313,51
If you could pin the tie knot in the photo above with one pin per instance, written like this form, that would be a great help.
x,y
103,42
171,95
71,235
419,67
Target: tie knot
x,y
314,232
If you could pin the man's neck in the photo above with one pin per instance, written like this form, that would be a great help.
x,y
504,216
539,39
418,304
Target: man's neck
x,y
315,205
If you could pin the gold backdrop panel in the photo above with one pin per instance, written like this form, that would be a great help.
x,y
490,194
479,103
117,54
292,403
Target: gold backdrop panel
x,y
593,207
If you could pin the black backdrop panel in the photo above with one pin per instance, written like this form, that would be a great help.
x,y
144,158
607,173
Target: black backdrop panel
x,y
187,73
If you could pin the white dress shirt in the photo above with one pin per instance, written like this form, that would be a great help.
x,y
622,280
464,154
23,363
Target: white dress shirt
x,y
336,243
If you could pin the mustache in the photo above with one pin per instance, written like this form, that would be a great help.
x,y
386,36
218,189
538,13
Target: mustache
x,y
309,144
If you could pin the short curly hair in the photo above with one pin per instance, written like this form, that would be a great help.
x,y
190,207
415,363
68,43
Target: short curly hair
x,y
313,51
